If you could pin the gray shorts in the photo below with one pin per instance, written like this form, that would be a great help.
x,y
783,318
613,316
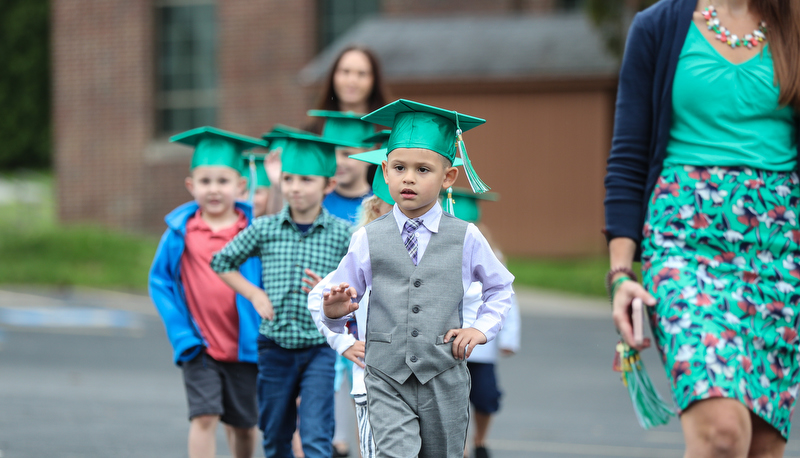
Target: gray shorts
x,y
224,389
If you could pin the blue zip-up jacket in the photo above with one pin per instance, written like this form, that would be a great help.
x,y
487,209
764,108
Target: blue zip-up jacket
x,y
643,116
167,293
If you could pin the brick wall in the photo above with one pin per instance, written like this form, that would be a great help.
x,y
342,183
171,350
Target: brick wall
x,y
262,47
110,168
102,107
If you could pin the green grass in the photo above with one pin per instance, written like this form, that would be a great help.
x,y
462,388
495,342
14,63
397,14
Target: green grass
x,y
584,276
72,256
34,249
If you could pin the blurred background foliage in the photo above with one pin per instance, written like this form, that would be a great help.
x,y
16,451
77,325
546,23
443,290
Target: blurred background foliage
x,y
25,84
613,18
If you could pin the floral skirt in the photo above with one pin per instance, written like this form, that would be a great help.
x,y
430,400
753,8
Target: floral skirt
x,y
721,255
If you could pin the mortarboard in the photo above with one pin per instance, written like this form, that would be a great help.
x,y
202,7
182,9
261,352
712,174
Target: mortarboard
x,y
381,137
416,125
216,147
257,161
278,143
379,186
307,154
344,125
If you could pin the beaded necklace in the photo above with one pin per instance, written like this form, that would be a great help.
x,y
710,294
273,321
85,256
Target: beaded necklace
x,y
724,35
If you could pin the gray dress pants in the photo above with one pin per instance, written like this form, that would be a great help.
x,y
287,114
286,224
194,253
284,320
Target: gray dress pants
x,y
411,420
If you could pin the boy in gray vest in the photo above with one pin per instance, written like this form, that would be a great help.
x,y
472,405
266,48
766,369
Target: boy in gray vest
x,y
416,262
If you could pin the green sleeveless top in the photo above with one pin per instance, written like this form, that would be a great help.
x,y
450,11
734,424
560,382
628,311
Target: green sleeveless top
x,y
726,114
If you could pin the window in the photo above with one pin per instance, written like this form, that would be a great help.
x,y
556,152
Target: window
x,y
186,66
569,5
337,16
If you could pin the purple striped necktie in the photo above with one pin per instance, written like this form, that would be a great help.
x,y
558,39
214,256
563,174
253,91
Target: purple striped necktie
x,y
409,229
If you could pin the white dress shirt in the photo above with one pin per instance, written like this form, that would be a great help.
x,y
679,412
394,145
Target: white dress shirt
x,y
341,342
479,264
507,339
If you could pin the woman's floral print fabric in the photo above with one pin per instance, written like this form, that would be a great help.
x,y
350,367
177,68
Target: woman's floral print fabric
x,y
721,254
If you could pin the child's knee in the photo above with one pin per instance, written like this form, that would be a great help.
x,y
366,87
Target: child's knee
x,y
205,421
243,433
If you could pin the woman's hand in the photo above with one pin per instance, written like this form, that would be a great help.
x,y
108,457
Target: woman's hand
x,y
621,310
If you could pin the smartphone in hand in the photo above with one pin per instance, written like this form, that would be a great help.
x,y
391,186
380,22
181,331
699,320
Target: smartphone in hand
x,y
637,319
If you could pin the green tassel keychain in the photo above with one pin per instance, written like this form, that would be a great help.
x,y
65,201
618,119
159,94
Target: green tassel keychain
x,y
650,409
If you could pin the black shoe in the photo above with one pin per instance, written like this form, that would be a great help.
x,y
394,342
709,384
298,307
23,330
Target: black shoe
x,y
481,452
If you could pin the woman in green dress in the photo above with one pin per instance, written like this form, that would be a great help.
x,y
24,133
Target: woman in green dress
x,y
702,184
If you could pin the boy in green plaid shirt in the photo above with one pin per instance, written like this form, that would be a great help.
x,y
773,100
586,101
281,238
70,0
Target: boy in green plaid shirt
x,y
293,357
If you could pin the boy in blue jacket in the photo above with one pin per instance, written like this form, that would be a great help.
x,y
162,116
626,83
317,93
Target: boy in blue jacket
x,y
212,329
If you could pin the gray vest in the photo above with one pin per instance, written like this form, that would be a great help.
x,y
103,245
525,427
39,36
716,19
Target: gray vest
x,y
412,307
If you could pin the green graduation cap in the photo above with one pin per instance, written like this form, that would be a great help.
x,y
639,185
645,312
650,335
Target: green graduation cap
x,y
276,144
466,203
283,128
262,180
381,137
344,125
379,186
416,125
279,143
307,154
216,147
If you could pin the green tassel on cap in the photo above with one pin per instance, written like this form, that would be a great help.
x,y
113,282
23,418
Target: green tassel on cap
x,y
416,125
253,179
252,169
449,203
475,182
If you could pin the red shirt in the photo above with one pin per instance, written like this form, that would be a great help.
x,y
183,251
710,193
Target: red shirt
x,y
211,302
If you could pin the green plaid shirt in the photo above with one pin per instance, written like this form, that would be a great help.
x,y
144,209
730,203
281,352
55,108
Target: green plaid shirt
x,y
285,253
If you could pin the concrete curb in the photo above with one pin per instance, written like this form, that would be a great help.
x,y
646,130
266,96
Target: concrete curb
x,y
532,302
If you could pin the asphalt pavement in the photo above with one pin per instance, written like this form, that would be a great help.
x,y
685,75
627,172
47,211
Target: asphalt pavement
x,y
87,373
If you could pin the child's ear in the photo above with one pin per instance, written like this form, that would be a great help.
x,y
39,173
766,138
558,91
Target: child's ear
x,y
384,170
189,185
450,177
241,186
330,186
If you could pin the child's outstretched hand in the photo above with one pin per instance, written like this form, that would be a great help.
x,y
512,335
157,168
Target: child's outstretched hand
x,y
262,304
465,341
356,353
273,166
312,281
339,301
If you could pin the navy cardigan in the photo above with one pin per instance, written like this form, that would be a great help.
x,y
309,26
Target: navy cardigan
x,y
644,114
